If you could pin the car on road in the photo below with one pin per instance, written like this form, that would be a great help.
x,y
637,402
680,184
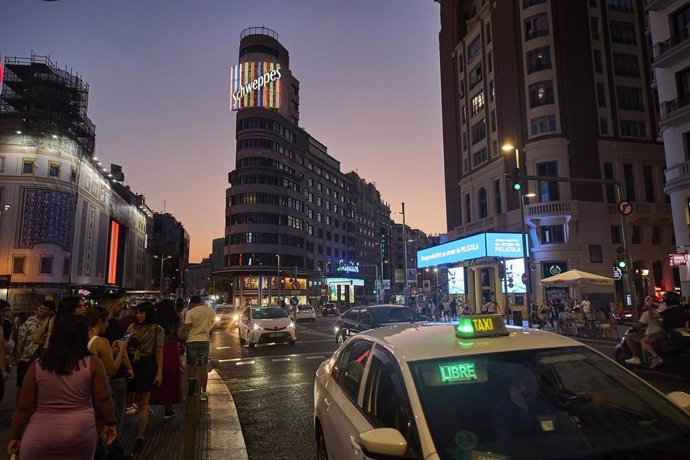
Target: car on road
x,y
266,324
358,319
479,389
305,312
329,309
227,315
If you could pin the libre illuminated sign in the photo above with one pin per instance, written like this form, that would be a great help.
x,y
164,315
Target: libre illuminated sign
x,y
255,84
459,372
507,245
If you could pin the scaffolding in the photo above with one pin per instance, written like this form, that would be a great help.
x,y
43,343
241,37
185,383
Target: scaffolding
x,y
38,98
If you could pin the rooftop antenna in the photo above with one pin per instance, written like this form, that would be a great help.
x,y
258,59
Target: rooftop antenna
x,y
164,205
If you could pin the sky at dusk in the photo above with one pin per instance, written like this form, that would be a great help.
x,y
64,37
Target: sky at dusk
x,y
158,72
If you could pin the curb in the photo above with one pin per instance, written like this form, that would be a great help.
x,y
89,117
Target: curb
x,y
225,433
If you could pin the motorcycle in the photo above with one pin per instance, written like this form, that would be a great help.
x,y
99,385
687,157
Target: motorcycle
x,y
674,349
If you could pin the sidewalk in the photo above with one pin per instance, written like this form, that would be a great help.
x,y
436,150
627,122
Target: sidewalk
x,y
218,431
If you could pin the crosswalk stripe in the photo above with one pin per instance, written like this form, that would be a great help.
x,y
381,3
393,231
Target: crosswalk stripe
x,y
316,357
281,360
222,348
229,359
242,363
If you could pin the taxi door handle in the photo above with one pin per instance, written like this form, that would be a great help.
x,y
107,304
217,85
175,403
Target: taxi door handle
x,y
327,403
354,442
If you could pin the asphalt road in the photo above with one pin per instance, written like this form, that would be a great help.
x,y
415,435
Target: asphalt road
x,y
272,386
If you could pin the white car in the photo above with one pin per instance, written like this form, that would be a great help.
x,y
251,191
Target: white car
x,y
480,390
305,312
266,325
227,314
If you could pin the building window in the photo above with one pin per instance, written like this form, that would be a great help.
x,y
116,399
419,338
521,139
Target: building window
x,y
621,5
648,177
478,131
636,234
633,128
598,66
536,26
656,235
475,75
541,93
490,61
483,205
479,158
626,65
493,123
46,265
497,197
543,125
468,209
686,145
596,255
19,265
601,95
623,32
488,32
28,167
679,23
603,125
477,103
548,191
73,175
464,141
65,266
629,177
594,26
491,90
552,234
474,48
610,188
528,3
629,98
538,59
54,170
616,234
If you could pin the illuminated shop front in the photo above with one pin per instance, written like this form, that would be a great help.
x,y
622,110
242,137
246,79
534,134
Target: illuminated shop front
x,y
269,290
481,267
342,290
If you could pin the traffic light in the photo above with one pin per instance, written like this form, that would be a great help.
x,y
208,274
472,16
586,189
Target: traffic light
x,y
620,261
637,272
515,179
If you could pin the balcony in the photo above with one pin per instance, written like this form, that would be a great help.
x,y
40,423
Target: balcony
x,y
677,110
647,211
656,5
552,209
673,50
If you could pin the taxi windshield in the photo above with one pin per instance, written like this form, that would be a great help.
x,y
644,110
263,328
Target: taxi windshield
x,y
551,403
268,313
392,314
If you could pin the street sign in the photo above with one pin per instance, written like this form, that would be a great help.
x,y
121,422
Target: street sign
x,y
625,207
676,260
524,278
294,301
617,273
415,291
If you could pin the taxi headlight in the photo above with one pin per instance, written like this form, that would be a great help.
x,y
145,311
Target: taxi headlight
x,y
217,318
236,317
336,329
292,324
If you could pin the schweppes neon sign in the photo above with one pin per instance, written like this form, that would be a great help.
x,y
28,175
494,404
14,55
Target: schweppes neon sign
x,y
255,84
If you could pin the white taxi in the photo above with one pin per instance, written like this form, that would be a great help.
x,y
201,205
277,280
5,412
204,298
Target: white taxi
x,y
305,312
480,390
266,324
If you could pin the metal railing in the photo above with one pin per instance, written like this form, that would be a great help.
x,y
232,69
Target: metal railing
x,y
259,31
667,45
668,107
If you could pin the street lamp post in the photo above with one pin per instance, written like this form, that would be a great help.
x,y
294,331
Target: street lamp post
x,y
278,279
404,238
523,231
162,259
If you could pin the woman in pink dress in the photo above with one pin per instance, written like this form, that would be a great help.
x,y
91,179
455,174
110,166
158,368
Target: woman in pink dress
x,y
54,417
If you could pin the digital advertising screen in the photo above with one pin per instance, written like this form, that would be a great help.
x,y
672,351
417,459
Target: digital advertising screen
x,y
255,84
456,281
515,268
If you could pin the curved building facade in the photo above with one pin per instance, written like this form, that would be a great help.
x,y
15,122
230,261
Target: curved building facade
x,y
289,208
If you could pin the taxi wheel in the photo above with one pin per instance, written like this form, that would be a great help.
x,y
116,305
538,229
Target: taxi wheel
x,y
321,452
292,342
340,338
251,345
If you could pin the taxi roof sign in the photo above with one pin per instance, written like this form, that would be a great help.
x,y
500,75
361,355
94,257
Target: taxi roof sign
x,y
472,327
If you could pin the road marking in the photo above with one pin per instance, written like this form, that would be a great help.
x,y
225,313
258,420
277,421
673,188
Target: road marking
x,y
229,359
313,341
242,363
316,357
222,348
281,360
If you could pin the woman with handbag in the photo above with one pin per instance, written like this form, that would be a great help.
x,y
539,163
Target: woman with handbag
x,y
145,349
170,391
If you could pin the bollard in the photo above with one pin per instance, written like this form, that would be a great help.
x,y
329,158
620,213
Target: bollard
x,y
191,418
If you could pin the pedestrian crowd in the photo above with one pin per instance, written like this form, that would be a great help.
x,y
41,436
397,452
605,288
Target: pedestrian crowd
x,y
80,369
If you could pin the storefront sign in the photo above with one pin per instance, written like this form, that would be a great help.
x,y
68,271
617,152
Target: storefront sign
x,y
554,268
676,260
344,267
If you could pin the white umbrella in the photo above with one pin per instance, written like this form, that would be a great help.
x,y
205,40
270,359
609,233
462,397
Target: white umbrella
x,y
577,278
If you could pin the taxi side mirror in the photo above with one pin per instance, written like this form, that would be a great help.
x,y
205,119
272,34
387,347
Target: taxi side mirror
x,y
680,399
383,442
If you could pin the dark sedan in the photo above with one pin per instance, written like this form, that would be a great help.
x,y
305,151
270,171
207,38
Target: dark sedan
x,y
329,309
360,319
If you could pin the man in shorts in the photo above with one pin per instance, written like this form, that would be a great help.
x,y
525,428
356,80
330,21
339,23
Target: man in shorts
x,y
199,322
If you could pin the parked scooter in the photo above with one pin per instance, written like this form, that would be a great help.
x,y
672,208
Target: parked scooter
x,y
674,349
